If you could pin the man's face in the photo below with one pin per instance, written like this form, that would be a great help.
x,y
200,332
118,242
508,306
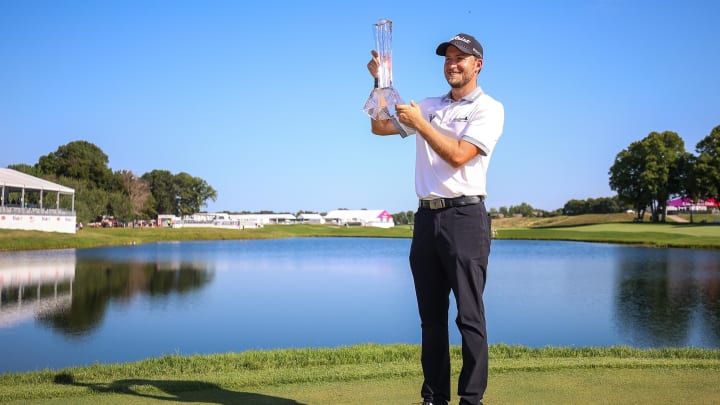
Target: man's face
x,y
460,68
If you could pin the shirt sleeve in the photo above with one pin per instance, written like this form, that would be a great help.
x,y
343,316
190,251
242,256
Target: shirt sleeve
x,y
485,126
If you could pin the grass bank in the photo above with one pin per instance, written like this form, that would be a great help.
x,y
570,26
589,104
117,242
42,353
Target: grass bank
x,y
608,228
96,237
379,374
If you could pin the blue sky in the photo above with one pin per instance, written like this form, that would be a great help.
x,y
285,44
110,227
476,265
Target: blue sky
x,y
264,100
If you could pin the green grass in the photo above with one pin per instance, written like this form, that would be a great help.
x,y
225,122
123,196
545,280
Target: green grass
x,y
378,374
609,228
95,237
659,235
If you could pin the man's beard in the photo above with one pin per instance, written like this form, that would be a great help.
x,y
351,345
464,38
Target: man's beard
x,y
458,82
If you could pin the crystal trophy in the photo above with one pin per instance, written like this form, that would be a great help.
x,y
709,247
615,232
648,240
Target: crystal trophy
x,y
382,101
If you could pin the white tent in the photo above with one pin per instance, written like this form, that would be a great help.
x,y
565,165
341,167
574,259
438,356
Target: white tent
x,y
16,179
41,217
311,218
377,218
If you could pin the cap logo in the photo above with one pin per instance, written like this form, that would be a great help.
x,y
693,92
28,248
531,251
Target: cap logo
x,y
459,38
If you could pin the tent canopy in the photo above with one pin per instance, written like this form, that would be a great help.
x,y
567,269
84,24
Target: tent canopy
x,y
15,179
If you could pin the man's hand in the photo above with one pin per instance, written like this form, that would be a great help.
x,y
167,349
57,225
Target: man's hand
x,y
455,152
409,115
374,65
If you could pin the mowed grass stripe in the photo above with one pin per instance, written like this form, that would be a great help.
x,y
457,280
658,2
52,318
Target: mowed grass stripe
x,y
269,371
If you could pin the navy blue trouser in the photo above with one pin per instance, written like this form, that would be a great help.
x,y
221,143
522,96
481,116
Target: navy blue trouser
x,y
449,252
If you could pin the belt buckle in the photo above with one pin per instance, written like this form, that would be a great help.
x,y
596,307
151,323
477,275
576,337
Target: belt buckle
x,y
437,203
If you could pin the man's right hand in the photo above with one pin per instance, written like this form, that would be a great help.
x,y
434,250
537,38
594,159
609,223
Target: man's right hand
x,y
374,65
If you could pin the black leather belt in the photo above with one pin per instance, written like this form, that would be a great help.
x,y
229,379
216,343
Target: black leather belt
x,y
438,203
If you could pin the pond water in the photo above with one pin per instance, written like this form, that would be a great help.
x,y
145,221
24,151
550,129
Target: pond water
x,y
116,304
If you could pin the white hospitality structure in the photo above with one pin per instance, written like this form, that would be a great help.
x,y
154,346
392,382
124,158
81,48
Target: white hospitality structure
x,y
224,220
17,213
376,218
310,219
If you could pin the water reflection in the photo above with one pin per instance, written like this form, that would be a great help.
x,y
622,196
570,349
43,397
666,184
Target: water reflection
x,y
666,295
71,296
34,283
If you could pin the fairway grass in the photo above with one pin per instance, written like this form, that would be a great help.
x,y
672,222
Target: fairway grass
x,y
379,374
656,235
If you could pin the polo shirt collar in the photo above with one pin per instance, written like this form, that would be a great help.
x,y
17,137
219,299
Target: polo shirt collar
x,y
472,96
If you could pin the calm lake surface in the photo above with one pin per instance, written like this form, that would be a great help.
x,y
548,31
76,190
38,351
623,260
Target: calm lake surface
x,y
78,307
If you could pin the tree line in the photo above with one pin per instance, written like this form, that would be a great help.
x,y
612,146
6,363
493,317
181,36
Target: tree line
x,y
99,191
645,175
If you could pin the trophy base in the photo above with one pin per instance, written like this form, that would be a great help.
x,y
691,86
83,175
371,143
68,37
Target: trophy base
x,y
380,101
378,107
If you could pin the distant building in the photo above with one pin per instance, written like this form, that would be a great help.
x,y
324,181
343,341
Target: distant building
x,y
376,218
310,219
225,220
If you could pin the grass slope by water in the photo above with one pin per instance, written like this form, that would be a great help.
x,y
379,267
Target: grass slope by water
x,y
657,235
379,374
608,228
95,237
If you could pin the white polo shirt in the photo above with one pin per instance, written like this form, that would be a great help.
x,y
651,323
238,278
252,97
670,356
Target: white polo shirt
x,y
476,118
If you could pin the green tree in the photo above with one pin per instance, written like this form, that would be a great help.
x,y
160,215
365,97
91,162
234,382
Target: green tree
x,y
137,193
410,216
575,207
194,193
162,188
606,205
79,160
626,180
602,205
90,201
524,209
27,169
648,172
690,180
670,152
404,217
120,206
708,165
180,194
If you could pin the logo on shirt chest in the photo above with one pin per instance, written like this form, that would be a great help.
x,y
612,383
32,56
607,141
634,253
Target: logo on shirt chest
x,y
431,117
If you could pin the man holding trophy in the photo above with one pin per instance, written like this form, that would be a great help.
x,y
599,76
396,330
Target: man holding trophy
x,y
455,135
